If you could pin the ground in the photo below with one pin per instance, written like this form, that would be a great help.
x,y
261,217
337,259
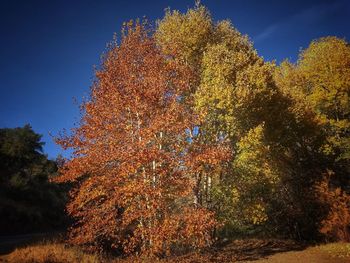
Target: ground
x,y
309,255
249,250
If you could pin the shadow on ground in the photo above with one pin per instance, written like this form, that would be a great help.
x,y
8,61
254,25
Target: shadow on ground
x,y
253,249
243,250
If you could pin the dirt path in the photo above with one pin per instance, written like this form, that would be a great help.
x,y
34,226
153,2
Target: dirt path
x,y
272,251
309,255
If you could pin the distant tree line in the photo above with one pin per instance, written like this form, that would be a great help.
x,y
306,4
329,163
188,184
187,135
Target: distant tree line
x,y
28,201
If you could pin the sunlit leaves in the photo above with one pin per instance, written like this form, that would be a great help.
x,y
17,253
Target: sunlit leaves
x,y
131,153
322,78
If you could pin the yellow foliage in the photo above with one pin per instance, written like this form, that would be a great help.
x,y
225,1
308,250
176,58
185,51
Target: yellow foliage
x,y
320,82
234,95
185,35
252,159
256,213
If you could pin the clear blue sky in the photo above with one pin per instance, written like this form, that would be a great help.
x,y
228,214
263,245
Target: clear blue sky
x,y
48,48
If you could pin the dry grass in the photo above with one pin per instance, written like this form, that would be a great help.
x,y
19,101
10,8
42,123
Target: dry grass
x,y
337,250
239,250
50,253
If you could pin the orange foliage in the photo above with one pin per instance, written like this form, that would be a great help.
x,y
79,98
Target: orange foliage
x,y
336,225
131,152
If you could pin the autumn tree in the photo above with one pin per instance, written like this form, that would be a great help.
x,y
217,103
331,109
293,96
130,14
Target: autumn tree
x,y
322,75
336,203
318,84
188,121
136,154
237,98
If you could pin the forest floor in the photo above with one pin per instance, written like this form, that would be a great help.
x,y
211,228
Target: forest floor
x,y
249,250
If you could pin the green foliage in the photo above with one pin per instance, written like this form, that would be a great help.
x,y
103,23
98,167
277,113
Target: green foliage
x,y
28,201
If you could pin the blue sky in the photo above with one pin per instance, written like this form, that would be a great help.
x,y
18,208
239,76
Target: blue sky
x,y
48,48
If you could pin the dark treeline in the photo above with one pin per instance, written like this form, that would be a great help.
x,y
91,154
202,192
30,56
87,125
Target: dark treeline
x,y
28,201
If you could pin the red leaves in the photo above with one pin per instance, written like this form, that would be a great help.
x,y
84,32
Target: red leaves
x,y
133,157
209,155
335,225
